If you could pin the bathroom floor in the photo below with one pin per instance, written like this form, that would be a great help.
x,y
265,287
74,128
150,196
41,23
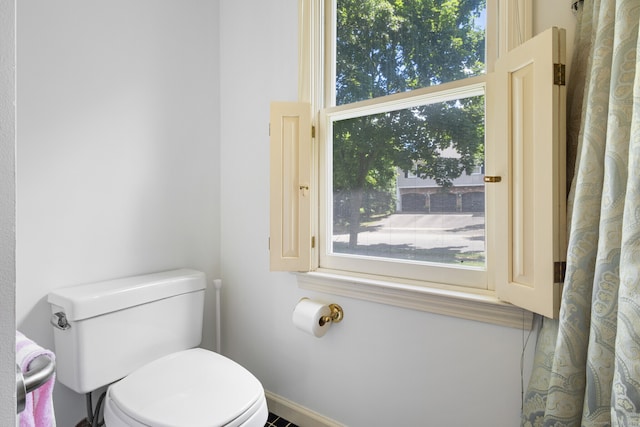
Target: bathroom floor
x,y
276,421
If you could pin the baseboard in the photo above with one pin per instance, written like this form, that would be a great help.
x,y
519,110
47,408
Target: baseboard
x,y
297,414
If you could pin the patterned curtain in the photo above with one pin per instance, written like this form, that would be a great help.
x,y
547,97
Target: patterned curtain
x,y
587,364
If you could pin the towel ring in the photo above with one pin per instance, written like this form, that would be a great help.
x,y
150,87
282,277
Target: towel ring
x,y
41,369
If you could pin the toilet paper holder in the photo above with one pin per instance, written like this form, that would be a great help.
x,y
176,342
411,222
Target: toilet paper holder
x,y
336,315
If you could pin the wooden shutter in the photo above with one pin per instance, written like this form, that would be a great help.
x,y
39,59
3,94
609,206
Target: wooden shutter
x,y
526,100
291,187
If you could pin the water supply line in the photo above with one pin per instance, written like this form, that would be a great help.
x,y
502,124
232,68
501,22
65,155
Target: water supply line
x,y
217,283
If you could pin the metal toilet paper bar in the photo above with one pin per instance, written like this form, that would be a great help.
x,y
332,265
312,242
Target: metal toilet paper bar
x,y
336,315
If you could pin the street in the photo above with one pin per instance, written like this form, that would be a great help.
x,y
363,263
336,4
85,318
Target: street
x,y
444,238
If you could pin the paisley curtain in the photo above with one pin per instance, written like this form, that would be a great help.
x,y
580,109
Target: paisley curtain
x,y
587,364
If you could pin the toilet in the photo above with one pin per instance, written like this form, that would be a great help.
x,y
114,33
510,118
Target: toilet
x,y
139,336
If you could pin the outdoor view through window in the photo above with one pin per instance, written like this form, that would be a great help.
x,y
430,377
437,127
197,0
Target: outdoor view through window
x,y
407,180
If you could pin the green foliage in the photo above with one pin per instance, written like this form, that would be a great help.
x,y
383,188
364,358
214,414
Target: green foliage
x,y
387,46
390,46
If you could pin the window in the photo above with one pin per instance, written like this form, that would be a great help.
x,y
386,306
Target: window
x,y
386,193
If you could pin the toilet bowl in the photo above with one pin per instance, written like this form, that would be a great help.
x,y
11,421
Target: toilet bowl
x,y
195,388
139,337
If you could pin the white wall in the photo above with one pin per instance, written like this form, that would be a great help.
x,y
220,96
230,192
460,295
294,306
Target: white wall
x,y
118,150
382,365
7,212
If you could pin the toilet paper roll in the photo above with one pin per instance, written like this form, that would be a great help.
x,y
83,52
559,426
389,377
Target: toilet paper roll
x,y
307,314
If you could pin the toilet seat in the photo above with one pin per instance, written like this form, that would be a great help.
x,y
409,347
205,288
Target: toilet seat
x,y
196,388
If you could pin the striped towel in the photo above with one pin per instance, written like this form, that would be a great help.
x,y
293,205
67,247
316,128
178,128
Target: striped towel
x,y
38,411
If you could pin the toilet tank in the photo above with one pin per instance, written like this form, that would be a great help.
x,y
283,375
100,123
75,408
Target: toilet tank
x,y
105,330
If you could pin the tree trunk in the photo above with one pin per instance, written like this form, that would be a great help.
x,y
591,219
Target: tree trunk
x,y
355,203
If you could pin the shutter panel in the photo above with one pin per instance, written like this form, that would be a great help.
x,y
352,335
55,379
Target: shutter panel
x,y
528,152
290,193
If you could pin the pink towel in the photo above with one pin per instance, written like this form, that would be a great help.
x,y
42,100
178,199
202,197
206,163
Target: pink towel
x,y
38,411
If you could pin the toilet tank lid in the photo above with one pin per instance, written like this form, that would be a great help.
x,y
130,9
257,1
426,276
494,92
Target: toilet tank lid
x,y
93,299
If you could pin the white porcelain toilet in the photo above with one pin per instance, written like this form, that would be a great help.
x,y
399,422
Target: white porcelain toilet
x,y
138,335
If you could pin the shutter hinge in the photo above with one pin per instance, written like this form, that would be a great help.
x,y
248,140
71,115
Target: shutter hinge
x,y
559,74
559,269
269,243
313,242
313,131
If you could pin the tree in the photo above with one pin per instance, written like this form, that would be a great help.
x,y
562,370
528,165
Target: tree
x,y
390,46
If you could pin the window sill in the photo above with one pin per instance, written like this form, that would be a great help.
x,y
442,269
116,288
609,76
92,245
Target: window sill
x,y
481,307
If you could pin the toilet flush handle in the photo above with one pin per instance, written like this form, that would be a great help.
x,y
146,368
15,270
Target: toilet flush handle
x,y
59,320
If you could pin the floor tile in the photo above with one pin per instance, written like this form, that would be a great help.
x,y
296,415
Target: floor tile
x,y
276,421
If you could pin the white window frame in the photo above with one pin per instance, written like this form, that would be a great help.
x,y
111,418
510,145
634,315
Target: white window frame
x,y
470,303
452,276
